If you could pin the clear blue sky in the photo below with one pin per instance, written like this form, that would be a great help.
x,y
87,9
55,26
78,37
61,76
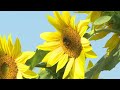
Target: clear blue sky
x,y
27,26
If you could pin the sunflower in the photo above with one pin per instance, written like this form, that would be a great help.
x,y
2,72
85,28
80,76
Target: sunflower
x,y
12,60
112,43
67,45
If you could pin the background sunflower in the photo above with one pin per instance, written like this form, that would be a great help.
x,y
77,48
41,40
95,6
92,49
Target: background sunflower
x,y
12,60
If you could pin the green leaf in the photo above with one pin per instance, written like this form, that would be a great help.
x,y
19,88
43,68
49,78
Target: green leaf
x,y
50,73
99,35
90,64
37,58
105,63
102,20
108,13
86,35
44,74
115,21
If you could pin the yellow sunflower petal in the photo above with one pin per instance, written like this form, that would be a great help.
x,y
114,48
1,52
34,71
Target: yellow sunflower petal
x,y
19,75
72,22
81,24
59,18
16,49
1,47
49,46
54,58
63,60
29,74
50,36
4,45
10,44
83,31
24,57
22,67
87,48
90,54
85,42
0,42
66,17
54,22
71,74
46,58
79,71
68,67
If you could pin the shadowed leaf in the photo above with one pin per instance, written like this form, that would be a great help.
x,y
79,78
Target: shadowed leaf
x,y
36,59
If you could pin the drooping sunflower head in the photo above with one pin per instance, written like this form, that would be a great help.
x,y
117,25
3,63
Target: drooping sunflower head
x,y
10,67
68,46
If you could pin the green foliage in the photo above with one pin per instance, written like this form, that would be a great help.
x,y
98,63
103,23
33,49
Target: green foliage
x,y
43,74
99,35
115,21
37,58
102,20
87,35
90,65
50,73
108,13
105,63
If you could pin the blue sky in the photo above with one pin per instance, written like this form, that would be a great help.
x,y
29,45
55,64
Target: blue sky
x,y
27,26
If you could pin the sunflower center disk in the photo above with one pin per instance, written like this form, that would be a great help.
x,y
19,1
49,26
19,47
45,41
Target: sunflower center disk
x,y
8,67
71,42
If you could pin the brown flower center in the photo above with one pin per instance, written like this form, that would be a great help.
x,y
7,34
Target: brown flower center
x,y
71,42
8,67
